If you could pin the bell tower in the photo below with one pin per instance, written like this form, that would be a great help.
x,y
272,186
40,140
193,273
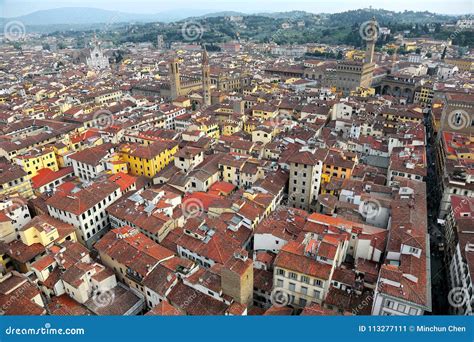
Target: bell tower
x,y
373,32
175,81
206,81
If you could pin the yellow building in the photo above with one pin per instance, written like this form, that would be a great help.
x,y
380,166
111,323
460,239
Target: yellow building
x,y
463,64
60,150
356,55
363,92
230,127
36,160
292,80
108,96
424,95
182,101
43,234
264,111
262,134
250,125
410,46
149,160
14,180
44,94
46,230
211,129
7,231
115,164
393,116
337,165
28,111
207,126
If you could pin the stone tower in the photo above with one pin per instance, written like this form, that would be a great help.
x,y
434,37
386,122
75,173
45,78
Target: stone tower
x,y
237,278
206,80
372,37
175,81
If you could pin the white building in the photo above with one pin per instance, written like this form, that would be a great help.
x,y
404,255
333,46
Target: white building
x,y
16,214
86,210
97,59
305,178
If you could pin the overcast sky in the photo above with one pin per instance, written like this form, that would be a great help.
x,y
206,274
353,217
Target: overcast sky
x,y
11,8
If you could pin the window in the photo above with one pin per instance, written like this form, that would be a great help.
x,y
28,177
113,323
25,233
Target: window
x,y
304,290
280,272
292,287
413,311
302,302
390,304
305,279
279,283
317,294
318,282
293,275
401,307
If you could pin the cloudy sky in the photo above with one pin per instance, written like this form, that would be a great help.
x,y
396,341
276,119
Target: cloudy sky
x,y
10,8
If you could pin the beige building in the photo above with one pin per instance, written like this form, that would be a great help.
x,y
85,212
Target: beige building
x,y
351,75
237,278
306,168
303,270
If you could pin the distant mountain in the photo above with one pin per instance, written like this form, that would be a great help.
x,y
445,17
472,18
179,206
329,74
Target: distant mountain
x,y
285,15
223,14
384,16
92,16
85,15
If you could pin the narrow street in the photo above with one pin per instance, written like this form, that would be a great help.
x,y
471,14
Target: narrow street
x,y
439,276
